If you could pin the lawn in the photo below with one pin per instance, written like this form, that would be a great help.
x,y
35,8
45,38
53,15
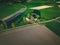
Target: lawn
x,y
50,13
6,10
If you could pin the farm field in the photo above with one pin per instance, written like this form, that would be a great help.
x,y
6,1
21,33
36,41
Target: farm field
x,y
6,9
46,14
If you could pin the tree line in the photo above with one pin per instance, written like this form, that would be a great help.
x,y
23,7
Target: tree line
x,y
22,1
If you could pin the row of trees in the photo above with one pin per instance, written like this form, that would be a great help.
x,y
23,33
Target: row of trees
x,y
22,1
26,0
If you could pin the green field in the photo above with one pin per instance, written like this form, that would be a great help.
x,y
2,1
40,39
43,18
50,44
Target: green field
x,y
46,14
6,9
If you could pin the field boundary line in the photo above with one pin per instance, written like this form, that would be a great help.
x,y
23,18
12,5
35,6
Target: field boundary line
x,y
50,20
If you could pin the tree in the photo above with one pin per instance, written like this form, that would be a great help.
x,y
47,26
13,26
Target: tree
x,y
23,1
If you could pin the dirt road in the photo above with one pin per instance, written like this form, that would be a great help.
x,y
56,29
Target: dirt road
x,y
30,35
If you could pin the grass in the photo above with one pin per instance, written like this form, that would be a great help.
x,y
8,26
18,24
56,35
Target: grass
x,y
50,13
6,10
1,28
54,26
